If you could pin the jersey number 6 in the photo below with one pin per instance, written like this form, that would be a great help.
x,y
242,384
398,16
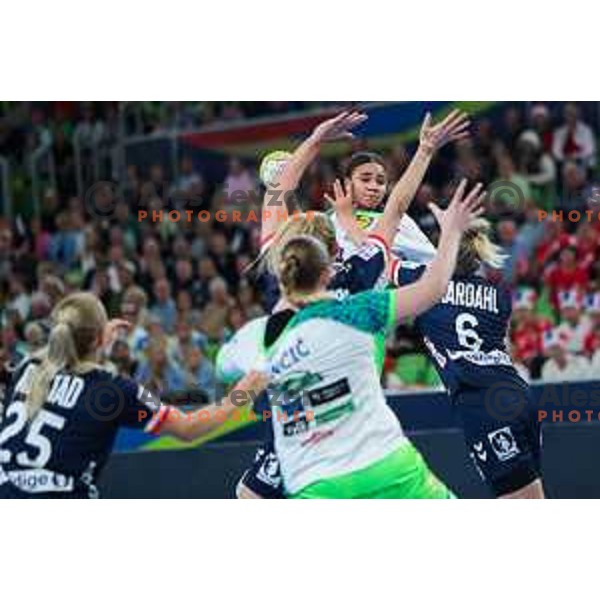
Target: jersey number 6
x,y
465,331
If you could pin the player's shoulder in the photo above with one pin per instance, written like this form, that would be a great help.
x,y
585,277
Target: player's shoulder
x,y
249,330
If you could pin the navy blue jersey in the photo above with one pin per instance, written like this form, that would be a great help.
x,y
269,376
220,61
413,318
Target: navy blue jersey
x,y
63,448
466,331
357,273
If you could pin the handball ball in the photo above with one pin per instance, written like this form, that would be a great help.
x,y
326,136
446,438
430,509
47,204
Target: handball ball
x,y
272,166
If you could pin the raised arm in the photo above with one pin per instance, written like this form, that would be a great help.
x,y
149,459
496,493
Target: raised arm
x,y
431,139
337,128
416,298
196,424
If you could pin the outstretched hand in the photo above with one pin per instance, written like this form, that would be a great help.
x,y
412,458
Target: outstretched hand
x,y
342,200
463,210
453,128
338,127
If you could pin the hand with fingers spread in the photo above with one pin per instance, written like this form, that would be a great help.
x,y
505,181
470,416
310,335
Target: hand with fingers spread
x,y
342,204
463,209
341,200
453,128
338,127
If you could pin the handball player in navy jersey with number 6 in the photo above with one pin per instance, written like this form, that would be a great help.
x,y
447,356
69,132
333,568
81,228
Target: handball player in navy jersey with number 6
x,y
466,335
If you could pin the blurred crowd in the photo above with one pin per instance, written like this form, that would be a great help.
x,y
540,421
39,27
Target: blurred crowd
x,y
186,287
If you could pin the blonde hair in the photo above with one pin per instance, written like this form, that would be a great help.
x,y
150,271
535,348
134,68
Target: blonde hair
x,y
477,247
313,224
302,262
77,321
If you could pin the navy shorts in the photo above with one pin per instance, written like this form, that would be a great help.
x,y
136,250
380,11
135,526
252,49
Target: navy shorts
x,y
502,435
264,476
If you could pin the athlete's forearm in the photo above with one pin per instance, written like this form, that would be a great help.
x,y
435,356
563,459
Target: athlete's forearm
x,y
287,182
403,193
196,424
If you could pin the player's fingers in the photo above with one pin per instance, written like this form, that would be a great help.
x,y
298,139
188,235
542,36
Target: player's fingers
x,y
460,190
476,191
480,211
463,135
338,189
436,211
456,117
474,204
458,127
426,121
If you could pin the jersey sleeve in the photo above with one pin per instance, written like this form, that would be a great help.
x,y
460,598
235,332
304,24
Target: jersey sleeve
x,y
238,356
401,276
372,312
141,409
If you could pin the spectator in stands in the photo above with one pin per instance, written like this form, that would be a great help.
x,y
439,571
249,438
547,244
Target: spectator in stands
x,y
575,139
587,244
566,275
215,313
541,125
156,372
248,301
207,271
163,306
199,372
18,298
530,233
505,199
223,258
561,365
239,185
184,271
537,167
574,325
67,243
507,238
527,331
591,343
185,338
41,306
512,127
134,310
189,184
574,187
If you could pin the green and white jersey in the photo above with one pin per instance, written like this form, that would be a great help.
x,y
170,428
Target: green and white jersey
x,y
330,416
241,354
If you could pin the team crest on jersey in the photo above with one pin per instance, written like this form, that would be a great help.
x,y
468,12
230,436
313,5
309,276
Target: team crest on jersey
x,y
363,220
504,444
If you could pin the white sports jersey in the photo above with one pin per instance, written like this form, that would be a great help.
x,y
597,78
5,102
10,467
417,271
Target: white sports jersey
x,y
240,354
410,242
330,416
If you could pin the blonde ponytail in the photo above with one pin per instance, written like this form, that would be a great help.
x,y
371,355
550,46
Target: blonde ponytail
x,y
312,223
78,321
477,248
302,261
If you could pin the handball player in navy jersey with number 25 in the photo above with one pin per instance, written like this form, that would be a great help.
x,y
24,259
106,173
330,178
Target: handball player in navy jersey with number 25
x,y
55,433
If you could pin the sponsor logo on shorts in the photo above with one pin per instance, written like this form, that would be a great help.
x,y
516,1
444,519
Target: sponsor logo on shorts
x,y
503,443
269,470
480,451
